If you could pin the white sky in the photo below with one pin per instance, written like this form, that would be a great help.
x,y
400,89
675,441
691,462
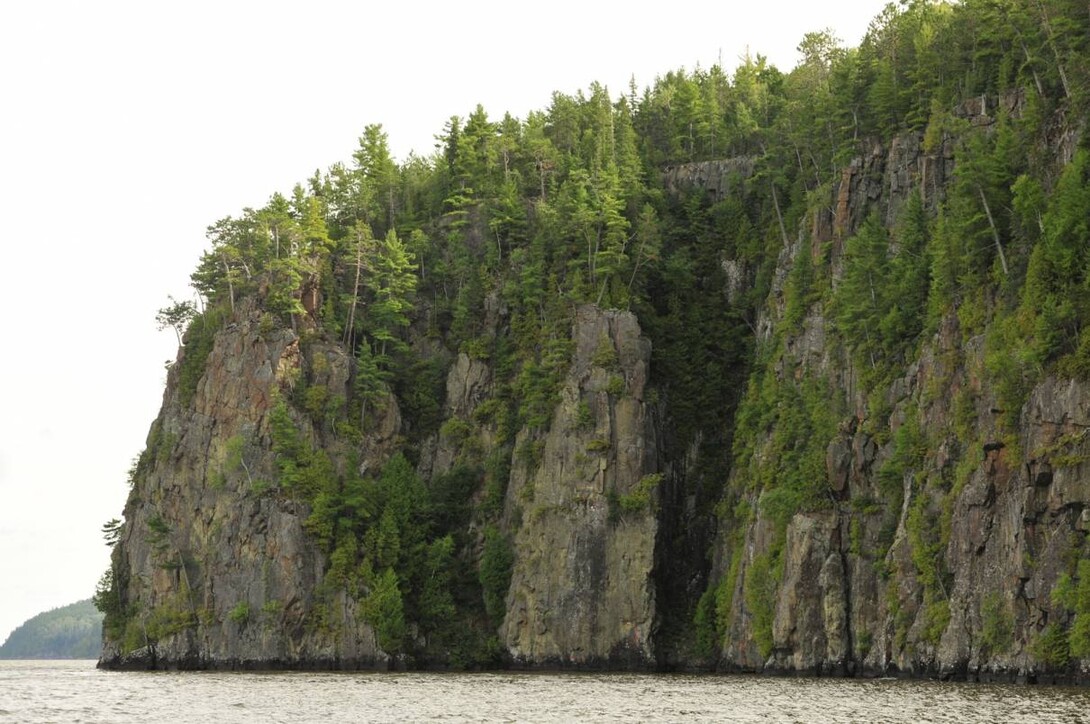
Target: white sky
x,y
126,128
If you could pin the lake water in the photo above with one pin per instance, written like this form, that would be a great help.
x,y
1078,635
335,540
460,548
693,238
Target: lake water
x,y
74,691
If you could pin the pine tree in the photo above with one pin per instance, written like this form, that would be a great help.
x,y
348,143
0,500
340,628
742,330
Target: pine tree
x,y
392,283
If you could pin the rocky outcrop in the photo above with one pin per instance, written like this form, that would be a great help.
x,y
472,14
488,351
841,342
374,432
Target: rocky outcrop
x,y
952,565
719,178
217,565
215,573
582,591
943,542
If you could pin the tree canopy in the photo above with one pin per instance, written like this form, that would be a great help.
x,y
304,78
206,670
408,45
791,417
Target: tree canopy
x,y
488,246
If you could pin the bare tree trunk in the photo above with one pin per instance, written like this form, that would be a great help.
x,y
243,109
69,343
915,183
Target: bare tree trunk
x,y
391,208
798,157
1052,45
995,231
817,169
349,328
246,469
779,216
230,284
1029,59
635,269
188,588
601,293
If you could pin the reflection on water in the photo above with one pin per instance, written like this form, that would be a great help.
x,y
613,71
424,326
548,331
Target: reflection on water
x,y
74,691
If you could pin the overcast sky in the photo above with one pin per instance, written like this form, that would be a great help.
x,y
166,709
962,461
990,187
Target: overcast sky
x,y
126,128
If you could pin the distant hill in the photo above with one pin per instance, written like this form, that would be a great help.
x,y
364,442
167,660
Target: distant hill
x,y
68,632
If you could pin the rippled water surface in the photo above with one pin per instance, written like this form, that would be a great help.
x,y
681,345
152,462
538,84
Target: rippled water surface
x,y
74,691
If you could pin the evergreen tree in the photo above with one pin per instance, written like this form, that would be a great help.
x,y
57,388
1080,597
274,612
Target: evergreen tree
x,y
392,282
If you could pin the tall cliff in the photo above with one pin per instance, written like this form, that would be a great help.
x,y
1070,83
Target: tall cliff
x,y
768,373
221,573
929,516
220,562
582,589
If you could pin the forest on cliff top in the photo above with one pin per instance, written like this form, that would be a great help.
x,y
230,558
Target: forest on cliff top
x,y
590,201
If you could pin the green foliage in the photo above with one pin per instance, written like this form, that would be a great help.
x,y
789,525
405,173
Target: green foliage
x,y
1007,366
304,470
455,431
491,411
435,605
316,398
790,469
452,496
860,301
420,385
598,445
584,418
538,382
855,536
385,611
529,453
492,244
1079,601
879,305
724,592
799,291
616,385
965,415
1063,592
1056,297
909,450
393,283
237,450
167,619
196,346
1051,647
928,533
109,599
286,438
112,531
1067,450
996,624
936,617
605,355
928,546
240,613
176,315
704,620
639,499
497,473
68,632
271,609
760,586
497,558
158,533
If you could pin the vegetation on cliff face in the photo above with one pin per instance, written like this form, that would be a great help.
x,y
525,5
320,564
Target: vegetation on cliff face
x,y
68,632
489,247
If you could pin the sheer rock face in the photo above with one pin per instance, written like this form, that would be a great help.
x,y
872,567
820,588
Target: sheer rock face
x,y
582,590
1016,505
844,590
228,577
719,178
